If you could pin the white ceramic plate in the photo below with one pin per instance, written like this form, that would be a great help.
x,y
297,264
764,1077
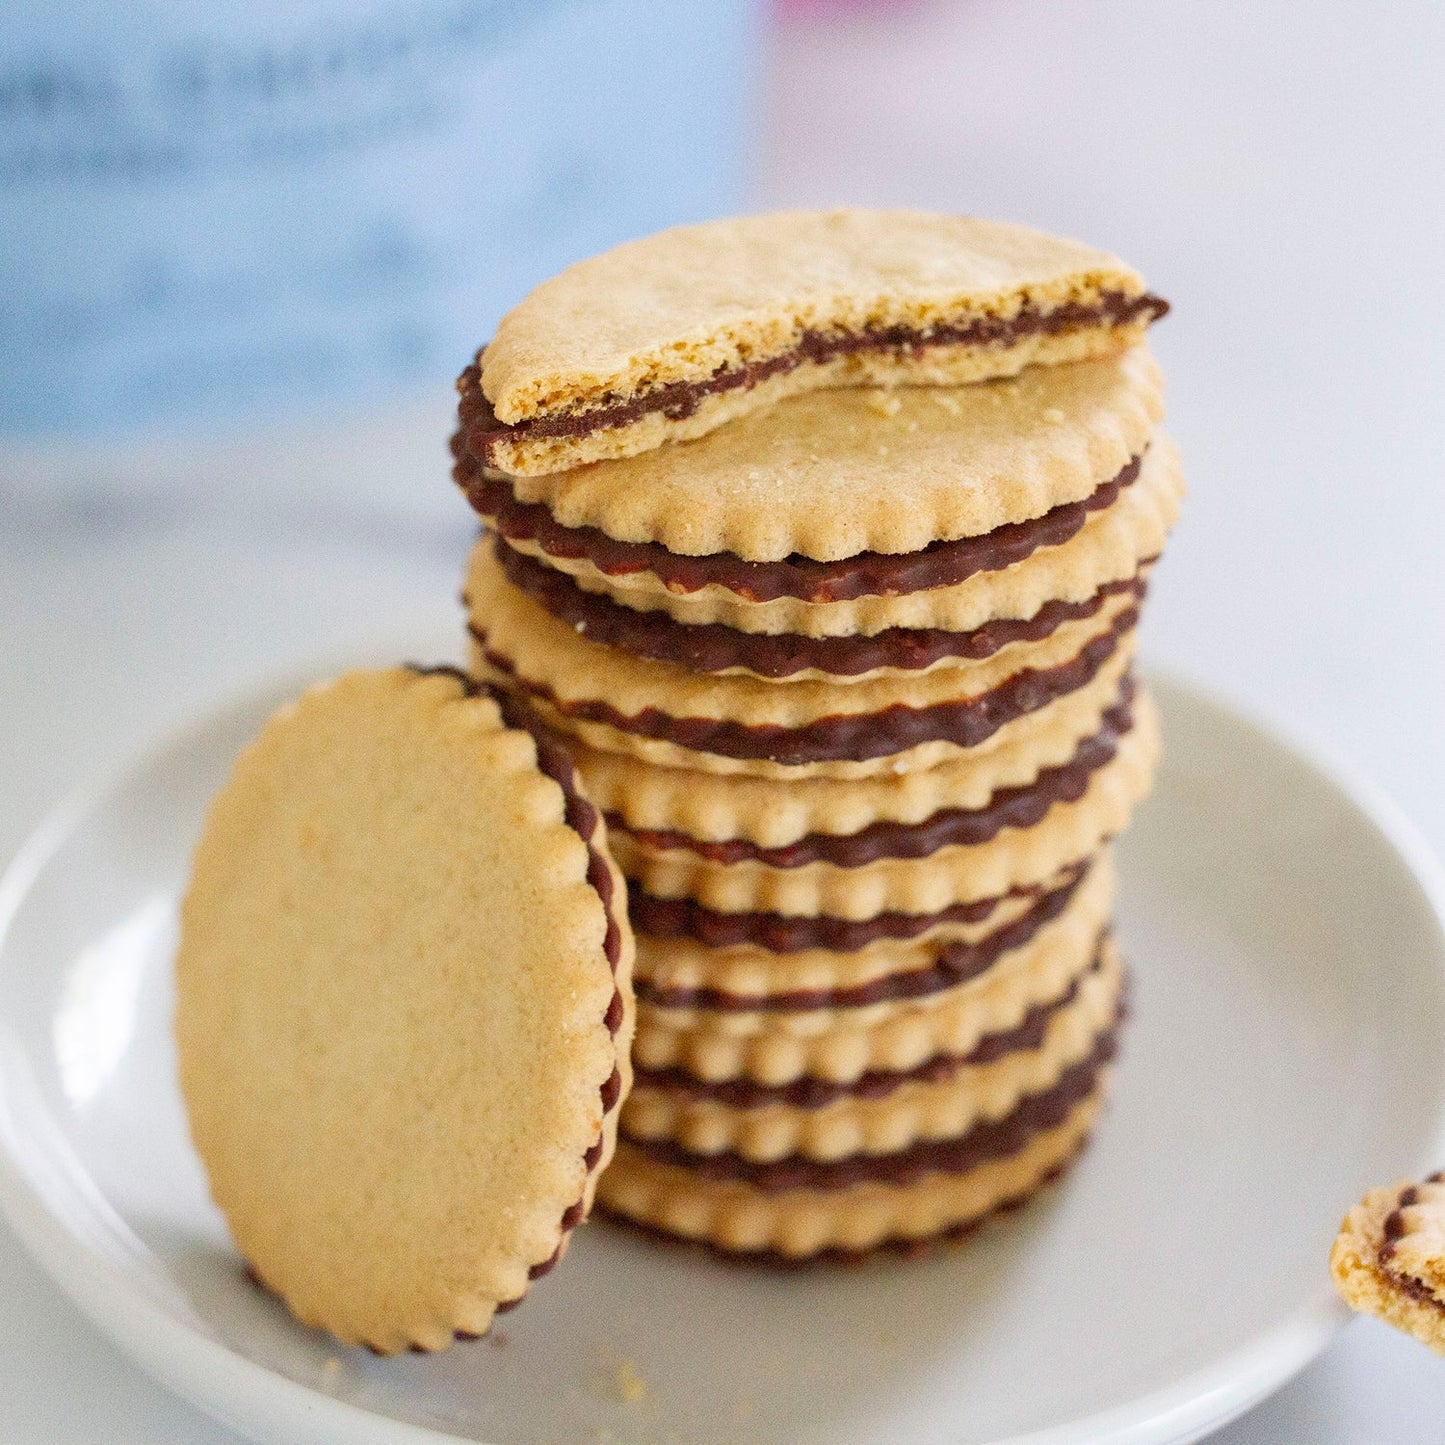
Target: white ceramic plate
x,y
1287,1050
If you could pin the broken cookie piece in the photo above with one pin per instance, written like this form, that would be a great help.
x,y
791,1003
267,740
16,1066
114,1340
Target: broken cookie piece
x,y
666,338
1389,1258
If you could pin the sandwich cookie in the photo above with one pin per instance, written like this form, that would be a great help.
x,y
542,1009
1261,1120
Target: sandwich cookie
x,y
956,856
798,1209
1010,574
733,811
666,338
843,1038
672,716
881,1112
836,475
404,1007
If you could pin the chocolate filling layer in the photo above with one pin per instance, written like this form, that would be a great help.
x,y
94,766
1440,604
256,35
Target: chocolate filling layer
x,y
848,737
555,761
865,574
952,964
715,647
679,399
1016,807
986,1141
813,1093
789,933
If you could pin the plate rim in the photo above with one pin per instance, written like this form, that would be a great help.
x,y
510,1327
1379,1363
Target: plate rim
x,y
250,1397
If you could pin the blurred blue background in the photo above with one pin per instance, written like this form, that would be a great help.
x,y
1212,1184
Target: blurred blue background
x,y
211,213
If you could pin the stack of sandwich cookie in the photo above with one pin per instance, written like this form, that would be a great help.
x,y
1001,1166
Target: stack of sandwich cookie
x,y
848,671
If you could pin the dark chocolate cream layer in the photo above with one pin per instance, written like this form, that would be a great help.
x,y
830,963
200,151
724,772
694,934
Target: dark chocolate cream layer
x,y
952,964
986,1141
847,737
865,574
715,647
813,1093
679,399
1016,807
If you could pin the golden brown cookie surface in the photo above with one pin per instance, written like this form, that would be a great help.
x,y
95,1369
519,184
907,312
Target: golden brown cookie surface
x,y
882,1114
668,337
1111,545
404,1006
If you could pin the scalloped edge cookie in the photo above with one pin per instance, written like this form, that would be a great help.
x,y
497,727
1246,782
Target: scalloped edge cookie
x,y
714,807
1112,545
834,473
810,1224
738,724
916,1108
337,935
1014,857
841,1046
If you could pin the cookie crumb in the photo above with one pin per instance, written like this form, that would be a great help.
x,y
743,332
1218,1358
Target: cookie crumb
x,y
885,403
631,1387
947,401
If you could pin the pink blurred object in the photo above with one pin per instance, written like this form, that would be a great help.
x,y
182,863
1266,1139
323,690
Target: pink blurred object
x,y
816,9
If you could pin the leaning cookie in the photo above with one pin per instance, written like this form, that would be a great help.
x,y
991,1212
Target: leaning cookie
x,y
1389,1258
666,338
404,1006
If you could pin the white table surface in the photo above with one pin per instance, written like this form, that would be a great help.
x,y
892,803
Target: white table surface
x,y
1275,169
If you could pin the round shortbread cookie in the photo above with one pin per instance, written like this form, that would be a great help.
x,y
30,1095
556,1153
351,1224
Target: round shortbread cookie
x,y
711,647
739,724
674,968
1068,919
403,1005
723,939
668,337
745,980
839,472
1110,546
1013,858
713,807
843,1045
950,1023
799,1224
940,1100
965,726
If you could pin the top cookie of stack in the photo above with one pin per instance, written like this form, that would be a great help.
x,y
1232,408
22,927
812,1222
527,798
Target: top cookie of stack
x,y
666,338
824,538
